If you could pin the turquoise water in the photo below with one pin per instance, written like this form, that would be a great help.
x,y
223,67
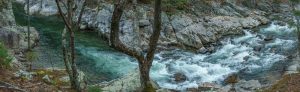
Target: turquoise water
x,y
236,55
93,55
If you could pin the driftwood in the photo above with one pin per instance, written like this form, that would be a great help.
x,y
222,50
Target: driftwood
x,y
6,85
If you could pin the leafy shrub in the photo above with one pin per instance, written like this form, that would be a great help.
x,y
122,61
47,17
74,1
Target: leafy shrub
x,y
296,13
94,89
171,5
5,59
145,1
31,56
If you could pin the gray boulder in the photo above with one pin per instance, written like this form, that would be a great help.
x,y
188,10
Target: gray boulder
x,y
179,22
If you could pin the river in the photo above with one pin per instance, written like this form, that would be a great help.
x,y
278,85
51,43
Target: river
x,y
250,55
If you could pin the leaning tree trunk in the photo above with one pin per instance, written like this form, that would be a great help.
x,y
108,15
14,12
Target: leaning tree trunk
x,y
75,82
145,63
145,81
75,74
69,52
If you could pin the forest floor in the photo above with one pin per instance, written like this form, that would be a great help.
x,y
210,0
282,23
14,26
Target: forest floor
x,y
10,83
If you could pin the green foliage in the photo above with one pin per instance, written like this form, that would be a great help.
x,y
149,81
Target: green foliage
x,y
31,56
5,59
297,13
172,5
145,1
94,89
295,1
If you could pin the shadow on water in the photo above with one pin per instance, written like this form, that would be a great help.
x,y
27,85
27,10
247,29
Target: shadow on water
x,y
93,56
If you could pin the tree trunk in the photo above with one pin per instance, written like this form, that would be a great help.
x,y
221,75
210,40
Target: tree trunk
x,y
145,63
75,82
146,85
28,26
69,52
116,17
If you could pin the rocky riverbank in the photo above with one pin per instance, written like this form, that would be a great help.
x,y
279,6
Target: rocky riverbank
x,y
191,28
197,28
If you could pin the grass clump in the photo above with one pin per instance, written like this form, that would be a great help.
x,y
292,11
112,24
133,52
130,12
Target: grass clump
x,y
31,56
173,5
94,89
5,58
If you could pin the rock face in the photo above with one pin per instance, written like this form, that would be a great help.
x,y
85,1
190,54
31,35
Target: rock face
x,y
180,28
43,7
13,36
195,29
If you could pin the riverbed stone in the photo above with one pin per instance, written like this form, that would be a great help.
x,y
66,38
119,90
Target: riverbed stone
x,y
179,77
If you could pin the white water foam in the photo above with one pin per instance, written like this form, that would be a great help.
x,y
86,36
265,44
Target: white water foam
x,y
236,54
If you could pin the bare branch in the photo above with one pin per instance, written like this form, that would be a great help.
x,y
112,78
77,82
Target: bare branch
x,y
122,48
64,4
62,15
80,15
114,35
156,33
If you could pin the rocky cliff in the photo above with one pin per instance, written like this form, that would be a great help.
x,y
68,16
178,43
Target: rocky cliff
x,y
12,35
197,26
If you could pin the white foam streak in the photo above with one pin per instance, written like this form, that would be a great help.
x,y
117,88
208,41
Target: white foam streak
x,y
231,57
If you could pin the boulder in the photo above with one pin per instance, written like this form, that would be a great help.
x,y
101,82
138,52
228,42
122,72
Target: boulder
x,y
47,79
179,22
9,38
249,22
202,50
179,77
195,36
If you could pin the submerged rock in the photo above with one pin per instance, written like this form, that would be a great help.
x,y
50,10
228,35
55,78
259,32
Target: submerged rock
x,y
202,50
179,77
268,38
